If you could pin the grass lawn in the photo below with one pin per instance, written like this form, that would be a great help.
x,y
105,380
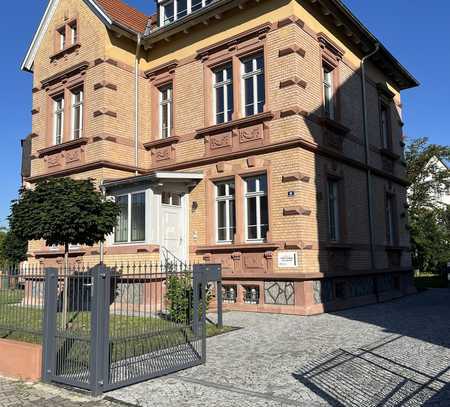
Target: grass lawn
x,y
130,336
428,280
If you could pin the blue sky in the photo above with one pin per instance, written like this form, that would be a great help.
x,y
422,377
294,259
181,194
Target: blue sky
x,y
416,34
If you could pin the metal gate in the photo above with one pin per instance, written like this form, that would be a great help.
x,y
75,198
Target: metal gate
x,y
106,328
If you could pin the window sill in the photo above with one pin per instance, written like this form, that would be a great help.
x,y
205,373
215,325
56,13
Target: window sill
x,y
64,52
161,142
58,253
240,246
228,126
63,146
334,126
389,154
338,246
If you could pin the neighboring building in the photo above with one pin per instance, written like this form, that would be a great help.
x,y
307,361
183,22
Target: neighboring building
x,y
240,140
442,197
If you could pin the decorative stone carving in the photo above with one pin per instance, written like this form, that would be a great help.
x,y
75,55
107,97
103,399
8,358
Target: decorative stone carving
x,y
279,292
253,261
163,154
220,140
54,160
72,156
251,133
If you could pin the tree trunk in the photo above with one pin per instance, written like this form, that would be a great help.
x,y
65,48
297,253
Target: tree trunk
x,y
66,288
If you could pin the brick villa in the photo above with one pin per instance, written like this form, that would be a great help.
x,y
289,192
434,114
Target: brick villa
x,y
231,131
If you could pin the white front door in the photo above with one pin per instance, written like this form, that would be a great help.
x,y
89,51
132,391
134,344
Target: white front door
x,y
173,226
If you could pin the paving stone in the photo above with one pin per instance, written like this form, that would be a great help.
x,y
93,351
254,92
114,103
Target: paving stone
x,y
396,353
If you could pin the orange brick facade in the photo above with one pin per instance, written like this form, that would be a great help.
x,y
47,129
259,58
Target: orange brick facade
x,y
290,142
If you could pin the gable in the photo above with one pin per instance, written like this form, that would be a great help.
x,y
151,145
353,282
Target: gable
x,y
113,13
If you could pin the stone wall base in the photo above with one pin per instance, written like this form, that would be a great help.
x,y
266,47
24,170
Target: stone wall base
x,y
20,360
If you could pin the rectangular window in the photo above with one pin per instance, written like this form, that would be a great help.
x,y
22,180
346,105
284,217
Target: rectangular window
x,y
167,13
223,93
253,87
328,92
74,33
333,210
384,126
166,111
171,198
256,207
77,114
58,122
62,38
131,221
225,211
390,219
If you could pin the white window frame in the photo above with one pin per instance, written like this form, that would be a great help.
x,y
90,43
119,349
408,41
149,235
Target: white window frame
x,y
258,195
333,206
129,241
162,20
328,91
227,198
255,73
224,84
74,33
169,103
58,113
77,105
62,38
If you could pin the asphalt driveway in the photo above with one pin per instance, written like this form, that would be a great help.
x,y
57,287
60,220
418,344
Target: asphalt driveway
x,y
391,354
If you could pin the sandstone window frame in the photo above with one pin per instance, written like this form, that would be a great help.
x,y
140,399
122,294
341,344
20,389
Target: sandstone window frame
x,y
191,7
336,175
77,125
260,195
65,91
331,57
254,75
257,167
328,91
67,37
229,201
391,220
227,87
165,101
233,51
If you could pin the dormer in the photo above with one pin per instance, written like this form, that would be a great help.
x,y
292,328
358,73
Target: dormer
x,y
170,11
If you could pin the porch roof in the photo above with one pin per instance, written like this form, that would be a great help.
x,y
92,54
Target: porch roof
x,y
155,177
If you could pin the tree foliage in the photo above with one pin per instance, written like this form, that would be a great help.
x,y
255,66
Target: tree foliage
x,y
12,248
63,211
429,219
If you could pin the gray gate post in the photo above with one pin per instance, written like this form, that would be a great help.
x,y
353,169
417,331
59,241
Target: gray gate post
x,y
98,333
219,304
49,323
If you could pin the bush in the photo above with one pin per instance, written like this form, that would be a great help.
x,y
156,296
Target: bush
x,y
180,297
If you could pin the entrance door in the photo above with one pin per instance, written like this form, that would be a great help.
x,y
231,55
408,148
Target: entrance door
x,y
173,224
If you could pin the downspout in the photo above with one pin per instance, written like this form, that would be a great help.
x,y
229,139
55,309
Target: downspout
x,y
366,156
136,104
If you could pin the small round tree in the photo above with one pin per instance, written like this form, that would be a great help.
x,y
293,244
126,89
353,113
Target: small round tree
x,y
63,212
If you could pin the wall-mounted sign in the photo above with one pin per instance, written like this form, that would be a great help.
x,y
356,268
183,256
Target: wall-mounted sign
x,y
288,259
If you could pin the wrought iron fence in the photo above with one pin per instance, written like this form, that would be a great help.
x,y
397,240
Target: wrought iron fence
x,y
21,302
106,327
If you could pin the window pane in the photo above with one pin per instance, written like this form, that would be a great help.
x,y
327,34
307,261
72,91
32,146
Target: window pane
x,y
221,189
221,214
333,209
219,75
77,122
259,62
176,199
264,211
168,13
251,184
182,8
231,188
261,95
121,231
251,211
249,97
262,183
220,105
196,4
165,198
248,66
138,217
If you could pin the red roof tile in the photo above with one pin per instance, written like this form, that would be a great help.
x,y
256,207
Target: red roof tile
x,y
124,14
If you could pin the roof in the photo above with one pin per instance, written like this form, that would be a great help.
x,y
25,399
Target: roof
x,y
157,176
124,14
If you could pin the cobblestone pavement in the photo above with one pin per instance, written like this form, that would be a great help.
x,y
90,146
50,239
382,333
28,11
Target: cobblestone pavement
x,y
391,354
18,394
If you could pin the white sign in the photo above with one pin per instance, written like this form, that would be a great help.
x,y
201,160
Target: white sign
x,y
288,259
